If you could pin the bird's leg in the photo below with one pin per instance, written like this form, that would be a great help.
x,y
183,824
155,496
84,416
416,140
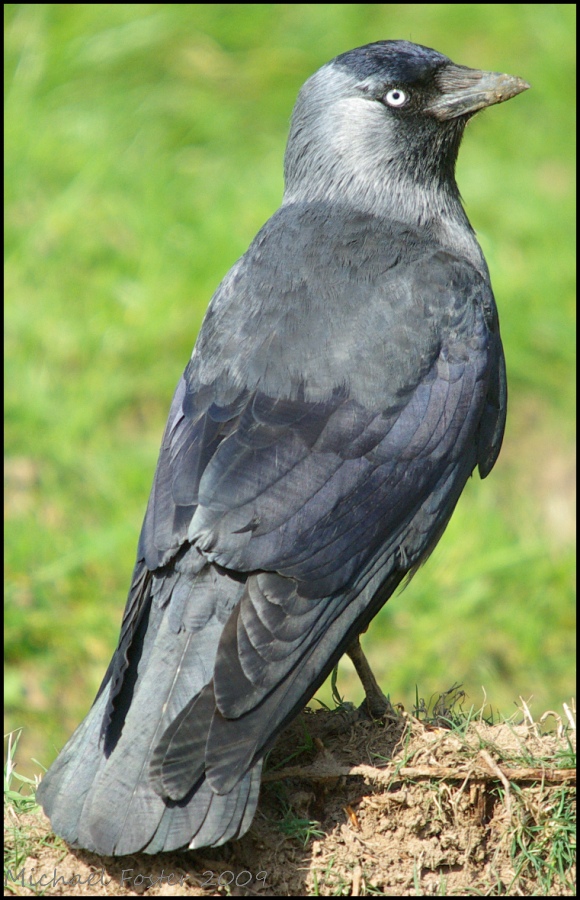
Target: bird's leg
x,y
375,703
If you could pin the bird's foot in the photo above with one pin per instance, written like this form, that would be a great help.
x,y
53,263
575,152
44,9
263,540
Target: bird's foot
x,y
377,706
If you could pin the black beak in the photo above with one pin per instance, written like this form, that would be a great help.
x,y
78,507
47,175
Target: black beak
x,y
464,91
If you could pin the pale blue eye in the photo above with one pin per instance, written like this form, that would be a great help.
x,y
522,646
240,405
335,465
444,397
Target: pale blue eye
x,y
396,97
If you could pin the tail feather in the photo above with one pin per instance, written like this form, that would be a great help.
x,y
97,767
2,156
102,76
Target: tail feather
x,y
100,794
66,786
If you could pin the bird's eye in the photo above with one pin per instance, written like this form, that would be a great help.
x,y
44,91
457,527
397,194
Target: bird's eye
x,y
396,97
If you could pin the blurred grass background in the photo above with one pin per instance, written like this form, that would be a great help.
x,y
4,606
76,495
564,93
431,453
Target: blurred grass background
x,y
144,147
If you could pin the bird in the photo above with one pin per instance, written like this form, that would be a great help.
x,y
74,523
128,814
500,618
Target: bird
x,y
347,380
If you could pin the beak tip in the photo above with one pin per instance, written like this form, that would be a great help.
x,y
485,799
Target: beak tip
x,y
519,84
504,87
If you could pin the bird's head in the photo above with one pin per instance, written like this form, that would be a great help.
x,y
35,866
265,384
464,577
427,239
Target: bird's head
x,y
383,123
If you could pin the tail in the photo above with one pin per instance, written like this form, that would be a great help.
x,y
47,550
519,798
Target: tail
x,y
99,794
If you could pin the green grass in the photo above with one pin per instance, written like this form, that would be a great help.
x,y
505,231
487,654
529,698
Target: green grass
x,y
19,799
144,148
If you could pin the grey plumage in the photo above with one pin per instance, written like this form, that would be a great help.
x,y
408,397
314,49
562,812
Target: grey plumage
x,y
347,379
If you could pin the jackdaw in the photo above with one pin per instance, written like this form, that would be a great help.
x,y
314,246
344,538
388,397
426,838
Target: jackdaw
x,y
347,379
